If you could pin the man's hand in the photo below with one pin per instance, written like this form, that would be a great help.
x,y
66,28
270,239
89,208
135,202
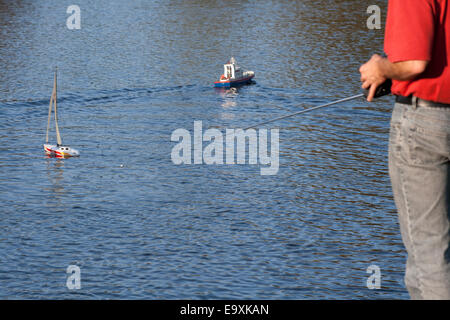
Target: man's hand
x,y
375,71
372,74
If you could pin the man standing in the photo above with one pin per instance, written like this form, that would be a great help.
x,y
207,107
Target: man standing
x,y
417,43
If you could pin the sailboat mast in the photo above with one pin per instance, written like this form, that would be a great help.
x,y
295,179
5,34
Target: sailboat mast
x,y
58,136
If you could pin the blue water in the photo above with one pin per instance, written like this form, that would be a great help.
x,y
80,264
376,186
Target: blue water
x,y
141,227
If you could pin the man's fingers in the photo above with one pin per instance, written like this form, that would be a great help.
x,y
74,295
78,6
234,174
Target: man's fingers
x,y
365,85
372,90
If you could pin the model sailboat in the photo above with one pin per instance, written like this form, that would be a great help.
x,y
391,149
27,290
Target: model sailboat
x,y
59,150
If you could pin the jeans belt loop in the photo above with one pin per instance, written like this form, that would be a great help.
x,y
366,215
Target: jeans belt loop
x,y
415,102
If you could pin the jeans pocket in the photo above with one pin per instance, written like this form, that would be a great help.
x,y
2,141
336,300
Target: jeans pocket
x,y
403,142
428,147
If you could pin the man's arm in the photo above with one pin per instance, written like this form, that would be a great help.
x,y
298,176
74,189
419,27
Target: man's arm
x,y
375,71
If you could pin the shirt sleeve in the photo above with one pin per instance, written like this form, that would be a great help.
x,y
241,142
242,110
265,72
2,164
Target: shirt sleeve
x,y
409,32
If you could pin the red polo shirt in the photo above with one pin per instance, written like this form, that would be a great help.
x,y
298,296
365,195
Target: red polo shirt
x,y
420,30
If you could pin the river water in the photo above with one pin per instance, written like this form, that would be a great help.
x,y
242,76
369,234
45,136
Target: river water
x,y
140,227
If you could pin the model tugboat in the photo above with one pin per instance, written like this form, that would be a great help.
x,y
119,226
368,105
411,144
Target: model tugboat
x,y
233,75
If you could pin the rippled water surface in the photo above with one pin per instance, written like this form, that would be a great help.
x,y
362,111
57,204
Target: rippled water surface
x,y
141,227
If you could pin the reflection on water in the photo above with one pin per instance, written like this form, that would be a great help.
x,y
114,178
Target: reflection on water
x,y
229,96
55,174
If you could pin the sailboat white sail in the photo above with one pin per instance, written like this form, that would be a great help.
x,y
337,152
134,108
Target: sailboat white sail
x,y
59,151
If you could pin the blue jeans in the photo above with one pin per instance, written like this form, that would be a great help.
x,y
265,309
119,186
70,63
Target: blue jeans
x,y
419,155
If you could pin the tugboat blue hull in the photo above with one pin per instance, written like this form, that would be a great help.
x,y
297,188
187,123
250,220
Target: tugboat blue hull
x,y
233,83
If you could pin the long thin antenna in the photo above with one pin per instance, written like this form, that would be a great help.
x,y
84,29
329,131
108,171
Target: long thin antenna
x,y
307,110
